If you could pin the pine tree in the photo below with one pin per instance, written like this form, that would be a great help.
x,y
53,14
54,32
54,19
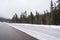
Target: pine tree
x,y
58,4
25,16
37,17
57,14
32,17
54,13
51,6
15,18
21,18
51,14
55,7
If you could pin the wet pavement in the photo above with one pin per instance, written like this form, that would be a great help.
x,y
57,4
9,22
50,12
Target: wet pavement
x,y
9,33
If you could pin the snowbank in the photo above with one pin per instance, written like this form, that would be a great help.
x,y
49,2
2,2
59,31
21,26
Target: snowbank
x,y
41,32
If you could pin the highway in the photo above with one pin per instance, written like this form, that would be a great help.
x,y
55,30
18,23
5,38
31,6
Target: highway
x,y
9,33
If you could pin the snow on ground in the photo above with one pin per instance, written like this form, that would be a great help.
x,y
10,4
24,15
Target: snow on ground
x,y
41,32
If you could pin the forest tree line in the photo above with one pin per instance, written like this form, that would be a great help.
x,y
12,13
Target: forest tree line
x,y
48,18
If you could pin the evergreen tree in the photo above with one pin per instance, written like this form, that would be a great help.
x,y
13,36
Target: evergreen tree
x,y
15,18
55,7
58,4
25,16
57,14
37,17
54,13
51,6
32,17
21,18
51,14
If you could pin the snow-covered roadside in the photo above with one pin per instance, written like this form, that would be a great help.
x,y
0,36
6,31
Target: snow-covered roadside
x,y
41,32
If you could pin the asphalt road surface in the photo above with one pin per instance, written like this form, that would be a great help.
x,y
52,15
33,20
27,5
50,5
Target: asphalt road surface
x,y
10,33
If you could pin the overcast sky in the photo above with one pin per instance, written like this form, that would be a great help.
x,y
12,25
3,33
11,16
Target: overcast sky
x,y
9,7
